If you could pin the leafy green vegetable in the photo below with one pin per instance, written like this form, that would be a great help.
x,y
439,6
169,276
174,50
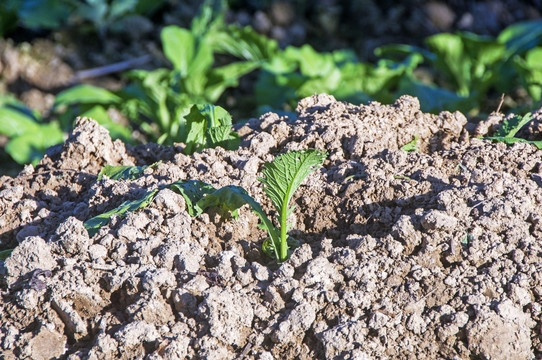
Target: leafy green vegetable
x,y
282,178
124,172
411,146
209,126
509,128
192,191
245,43
530,71
521,37
94,224
29,136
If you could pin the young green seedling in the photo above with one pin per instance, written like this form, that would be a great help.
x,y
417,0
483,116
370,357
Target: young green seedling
x,y
282,178
507,132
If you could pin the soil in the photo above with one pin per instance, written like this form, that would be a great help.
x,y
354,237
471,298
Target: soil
x,y
432,254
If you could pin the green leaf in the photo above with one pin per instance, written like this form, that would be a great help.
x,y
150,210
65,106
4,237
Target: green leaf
x,y
245,43
224,137
521,36
15,122
86,94
284,175
116,130
29,147
49,14
512,140
196,125
452,59
192,192
4,254
232,198
411,146
124,172
510,127
395,51
179,47
530,71
199,122
221,78
93,225
282,178
210,18
313,63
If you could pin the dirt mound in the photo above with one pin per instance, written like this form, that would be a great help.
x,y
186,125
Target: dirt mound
x,y
427,254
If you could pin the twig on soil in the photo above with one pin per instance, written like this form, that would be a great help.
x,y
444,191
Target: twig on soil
x,y
111,68
500,104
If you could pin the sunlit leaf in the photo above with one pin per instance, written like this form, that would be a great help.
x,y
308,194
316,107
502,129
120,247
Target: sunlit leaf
x,y
86,94
93,225
124,172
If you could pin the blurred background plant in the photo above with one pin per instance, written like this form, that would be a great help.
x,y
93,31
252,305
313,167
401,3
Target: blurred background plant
x,y
250,58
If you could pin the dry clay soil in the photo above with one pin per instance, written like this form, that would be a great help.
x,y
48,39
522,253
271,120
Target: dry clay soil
x,y
433,254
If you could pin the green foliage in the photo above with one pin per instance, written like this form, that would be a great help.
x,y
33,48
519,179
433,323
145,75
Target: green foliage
x,y
29,136
124,172
197,125
103,15
473,66
411,146
506,133
93,225
281,179
166,97
530,71
510,127
209,126
4,254
86,94
192,191
299,72
92,102
521,37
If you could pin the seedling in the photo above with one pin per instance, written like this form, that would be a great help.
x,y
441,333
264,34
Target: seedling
x,y
411,146
509,128
281,179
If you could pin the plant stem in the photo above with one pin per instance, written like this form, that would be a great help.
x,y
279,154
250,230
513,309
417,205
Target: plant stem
x,y
283,234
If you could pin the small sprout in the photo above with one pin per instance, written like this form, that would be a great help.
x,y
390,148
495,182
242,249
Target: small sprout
x,y
467,239
282,178
411,146
508,130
